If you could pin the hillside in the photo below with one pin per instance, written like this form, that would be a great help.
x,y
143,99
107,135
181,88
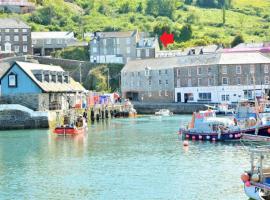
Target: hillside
x,y
248,18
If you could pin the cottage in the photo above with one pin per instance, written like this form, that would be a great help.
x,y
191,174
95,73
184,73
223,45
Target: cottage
x,y
44,43
40,87
16,6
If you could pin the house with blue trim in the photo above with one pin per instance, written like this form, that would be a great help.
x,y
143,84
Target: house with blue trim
x,y
35,84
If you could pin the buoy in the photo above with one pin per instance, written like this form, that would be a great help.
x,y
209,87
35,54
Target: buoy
x,y
185,143
268,131
213,139
231,136
247,184
193,137
245,177
200,137
187,136
208,137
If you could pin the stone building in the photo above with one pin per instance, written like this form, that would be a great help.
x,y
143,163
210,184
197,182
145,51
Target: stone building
x,y
40,87
44,43
149,80
120,47
16,6
206,78
15,36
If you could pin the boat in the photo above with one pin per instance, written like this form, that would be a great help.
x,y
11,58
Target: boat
x,y
256,181
206,126
164,112
127,110
70,128
222,109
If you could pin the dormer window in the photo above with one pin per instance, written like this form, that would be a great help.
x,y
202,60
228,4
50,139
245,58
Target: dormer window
x,y
12,80
60,78
39,77
47,77
54,78
66,79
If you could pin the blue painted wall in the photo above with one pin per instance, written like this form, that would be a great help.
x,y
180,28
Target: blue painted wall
x,y
24,83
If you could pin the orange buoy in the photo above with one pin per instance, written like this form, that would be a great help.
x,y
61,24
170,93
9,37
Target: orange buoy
x,y
247,184
245,177
185,143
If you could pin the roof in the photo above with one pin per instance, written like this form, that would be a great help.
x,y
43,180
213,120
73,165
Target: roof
x,y
28,68
16,3
197,60
147,42
4,67
120,34
252,45
52,35
12,23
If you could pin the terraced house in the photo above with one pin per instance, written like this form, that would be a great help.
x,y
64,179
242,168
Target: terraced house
x,y
219,77
15,36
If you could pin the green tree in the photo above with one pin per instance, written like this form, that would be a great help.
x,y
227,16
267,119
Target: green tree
x,y
161,8
186,33
237,40
139,9
125,8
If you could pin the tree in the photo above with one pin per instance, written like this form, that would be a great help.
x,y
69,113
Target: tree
x,y
186,33
125,8
139,9
237,40
223,15
161,7
188,2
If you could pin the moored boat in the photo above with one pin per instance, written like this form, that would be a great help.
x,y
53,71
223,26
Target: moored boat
x,y
206,126
257,180
164,112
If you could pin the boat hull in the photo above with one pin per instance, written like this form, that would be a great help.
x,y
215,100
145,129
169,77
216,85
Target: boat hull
x,y
69,131
253,192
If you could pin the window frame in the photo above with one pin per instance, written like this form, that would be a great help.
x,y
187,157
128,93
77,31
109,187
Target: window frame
x,y
15,80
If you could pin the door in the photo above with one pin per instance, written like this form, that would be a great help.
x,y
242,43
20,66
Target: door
x,y
178,97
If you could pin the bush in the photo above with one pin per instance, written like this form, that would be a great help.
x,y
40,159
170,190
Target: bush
x,y
73,53
237,40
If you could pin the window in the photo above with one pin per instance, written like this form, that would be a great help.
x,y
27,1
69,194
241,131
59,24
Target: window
x,y
266,80
24,38
160,93
132,74
238,70
59,41
266,69
104,42
149,94
166,71
117,41
252,69
139,73
189,82
24,30
128,50
199,81
204,96
94,49
17,49
7,30
39,77
199,71
16,30
209,70
225,97
248,94
159,82
128,41
147,71
146,52
34,41
60,78
66,79
225,81
138,53
24,48
178,72
117,50
95,41
48,41
12,80
189,71
224,70
178,83
251,80
16,38
150,82
7,38
159,72
238,81
47,77
54,78
210,81
167,82
166,93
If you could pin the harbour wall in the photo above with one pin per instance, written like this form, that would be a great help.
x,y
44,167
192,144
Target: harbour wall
x,y
176,108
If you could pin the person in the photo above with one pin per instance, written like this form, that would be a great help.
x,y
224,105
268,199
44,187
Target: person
x,y
85,115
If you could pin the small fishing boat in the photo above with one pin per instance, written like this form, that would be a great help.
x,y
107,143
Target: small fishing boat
x,y
164,112
222,109
257,179
206,126
70,128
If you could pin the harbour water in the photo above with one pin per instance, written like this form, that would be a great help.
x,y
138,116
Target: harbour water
x,y
133,159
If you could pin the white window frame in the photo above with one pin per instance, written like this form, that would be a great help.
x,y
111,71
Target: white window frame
x,y
160,93
94,49
266,80
147,53
49,41
16,38
166,93
24,38
266,69
189,82
209,81
6,30
16,48
238,78
223,78
128,41
7,38
209,72
128,50
24,30
252,69
199,82
16,30
104,42
138,53
25,49
224,70
178,83
238,69
199,71
178,72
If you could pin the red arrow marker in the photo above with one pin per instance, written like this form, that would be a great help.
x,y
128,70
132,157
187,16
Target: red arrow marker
x,y
166,39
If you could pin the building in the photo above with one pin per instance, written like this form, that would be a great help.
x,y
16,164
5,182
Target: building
x,y
120,47
16,6
44,43
206,78
149,80
15,36
46,86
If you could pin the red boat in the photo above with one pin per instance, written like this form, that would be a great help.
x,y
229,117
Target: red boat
x,y
66,129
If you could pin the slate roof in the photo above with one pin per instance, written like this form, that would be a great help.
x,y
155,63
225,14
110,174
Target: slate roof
x,y
119,34
28,68
12,23
16,3
52,35
197,60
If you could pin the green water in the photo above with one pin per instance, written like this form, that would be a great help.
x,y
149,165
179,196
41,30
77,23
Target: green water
x,y
130,159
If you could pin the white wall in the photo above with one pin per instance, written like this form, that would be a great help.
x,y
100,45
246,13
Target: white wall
x,y
107,59
235,93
